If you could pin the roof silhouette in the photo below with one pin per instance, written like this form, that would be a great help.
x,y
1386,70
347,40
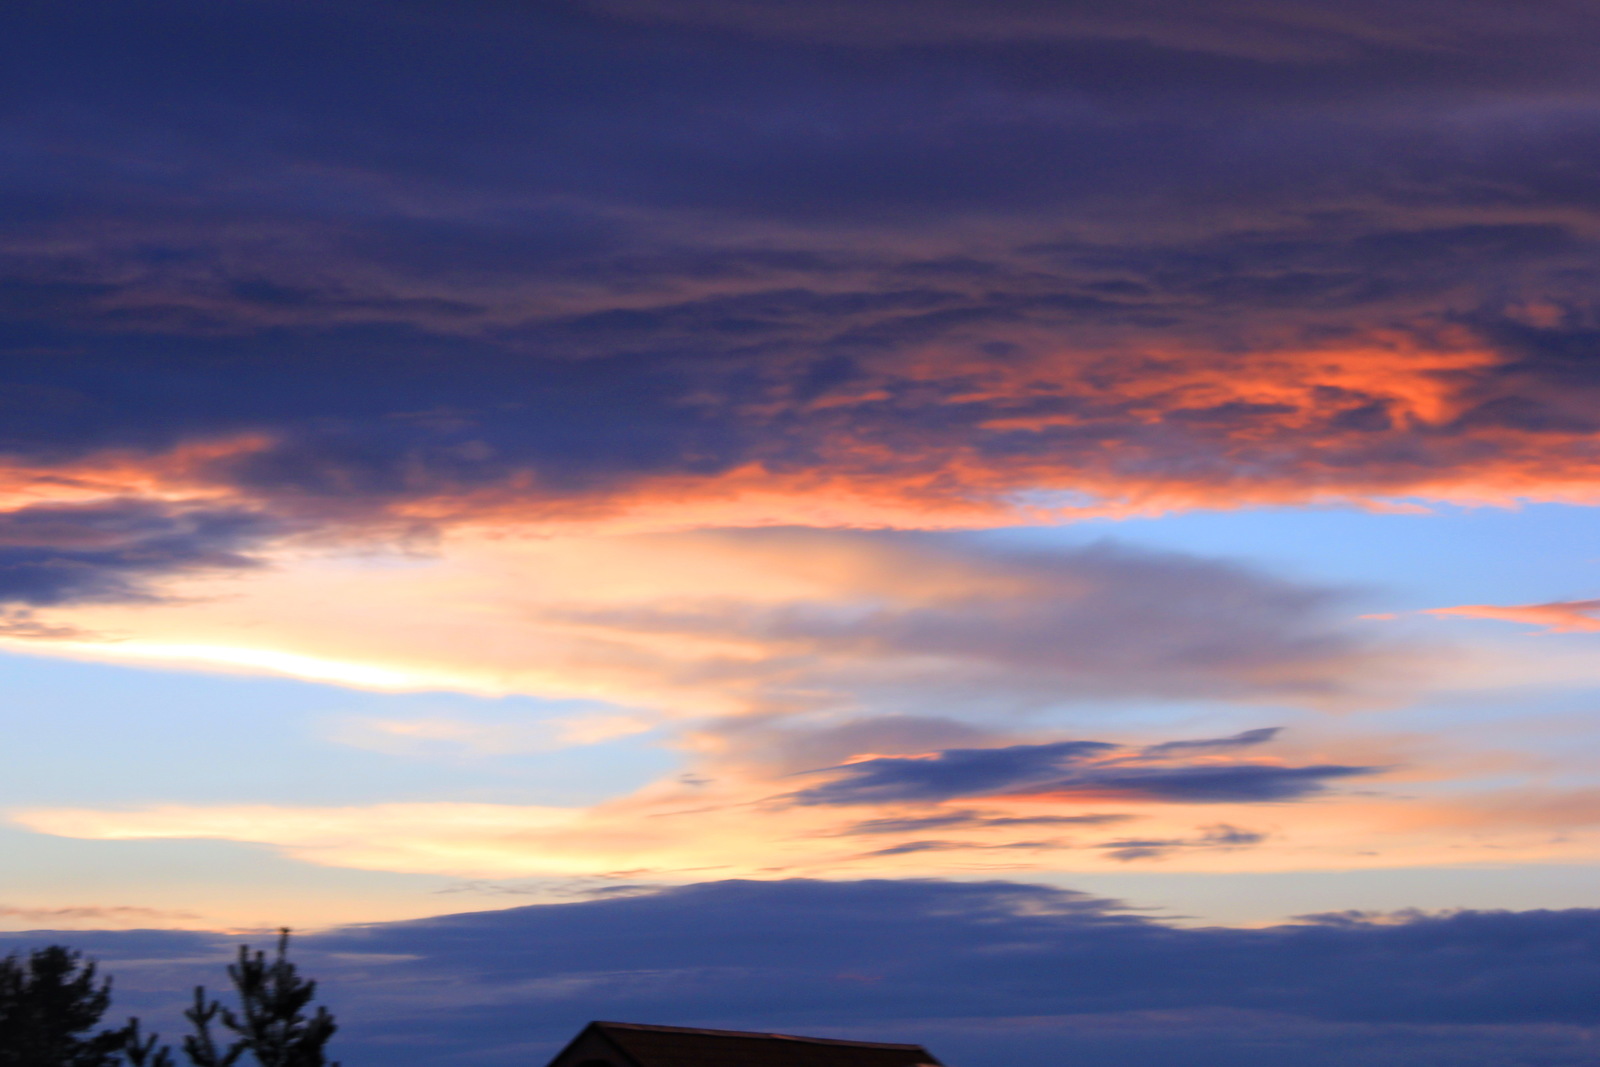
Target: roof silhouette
x,y
642,1045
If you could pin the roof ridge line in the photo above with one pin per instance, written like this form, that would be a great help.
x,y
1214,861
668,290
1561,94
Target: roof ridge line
x,y
754,1033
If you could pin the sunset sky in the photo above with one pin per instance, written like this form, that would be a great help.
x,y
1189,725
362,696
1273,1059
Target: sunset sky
x,y
970,456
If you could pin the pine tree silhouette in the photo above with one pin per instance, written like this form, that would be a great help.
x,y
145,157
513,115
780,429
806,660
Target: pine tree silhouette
x,y
141,1051
52,1000
271,1023
49,1004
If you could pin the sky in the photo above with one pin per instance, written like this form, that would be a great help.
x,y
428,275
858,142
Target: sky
x,y
1035,526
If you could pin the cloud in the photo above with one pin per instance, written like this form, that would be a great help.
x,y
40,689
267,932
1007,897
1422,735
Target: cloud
x,y
981,622
977,820
377,273
944,775
1561,616
1221,835
95,917
985,973
109,550
435,735
930,671
1246,782
909,847
741,631
762,654
1289,32
923,264
1244,739
1123,850
1067,769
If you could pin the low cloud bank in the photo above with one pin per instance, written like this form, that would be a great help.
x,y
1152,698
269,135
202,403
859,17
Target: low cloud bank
x,y
986,973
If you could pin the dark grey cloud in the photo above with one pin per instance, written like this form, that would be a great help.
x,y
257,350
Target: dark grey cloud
x,y
956,772
910,847
1125,850
634,239
1069,770
1292,31
1244,739
985,973
961,820
1212,784
1221,836
111,550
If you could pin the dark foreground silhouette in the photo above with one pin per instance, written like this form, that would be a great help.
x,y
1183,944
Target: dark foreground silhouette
x,y
603,1044
52,1001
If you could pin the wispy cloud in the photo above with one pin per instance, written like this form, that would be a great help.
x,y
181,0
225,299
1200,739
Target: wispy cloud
x,y
96,917
1561,616
1221,835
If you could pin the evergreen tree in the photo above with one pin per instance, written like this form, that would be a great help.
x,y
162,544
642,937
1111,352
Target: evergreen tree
x,y
50,1002
200,1046
271,1023
141,1051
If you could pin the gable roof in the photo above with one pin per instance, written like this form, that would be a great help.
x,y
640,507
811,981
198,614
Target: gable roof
x,y
682,1046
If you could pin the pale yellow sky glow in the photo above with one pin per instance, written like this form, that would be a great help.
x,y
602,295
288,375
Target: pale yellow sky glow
x,y
758,649
755,657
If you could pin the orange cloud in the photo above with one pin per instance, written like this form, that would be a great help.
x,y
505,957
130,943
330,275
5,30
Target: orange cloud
x,y
1561,616
932,437
757,621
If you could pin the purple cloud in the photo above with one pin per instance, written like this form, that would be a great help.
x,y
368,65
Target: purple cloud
x,y
1074,769
624,248
110,550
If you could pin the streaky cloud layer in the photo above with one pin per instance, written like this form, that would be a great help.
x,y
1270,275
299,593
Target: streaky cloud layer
x,y
715,260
